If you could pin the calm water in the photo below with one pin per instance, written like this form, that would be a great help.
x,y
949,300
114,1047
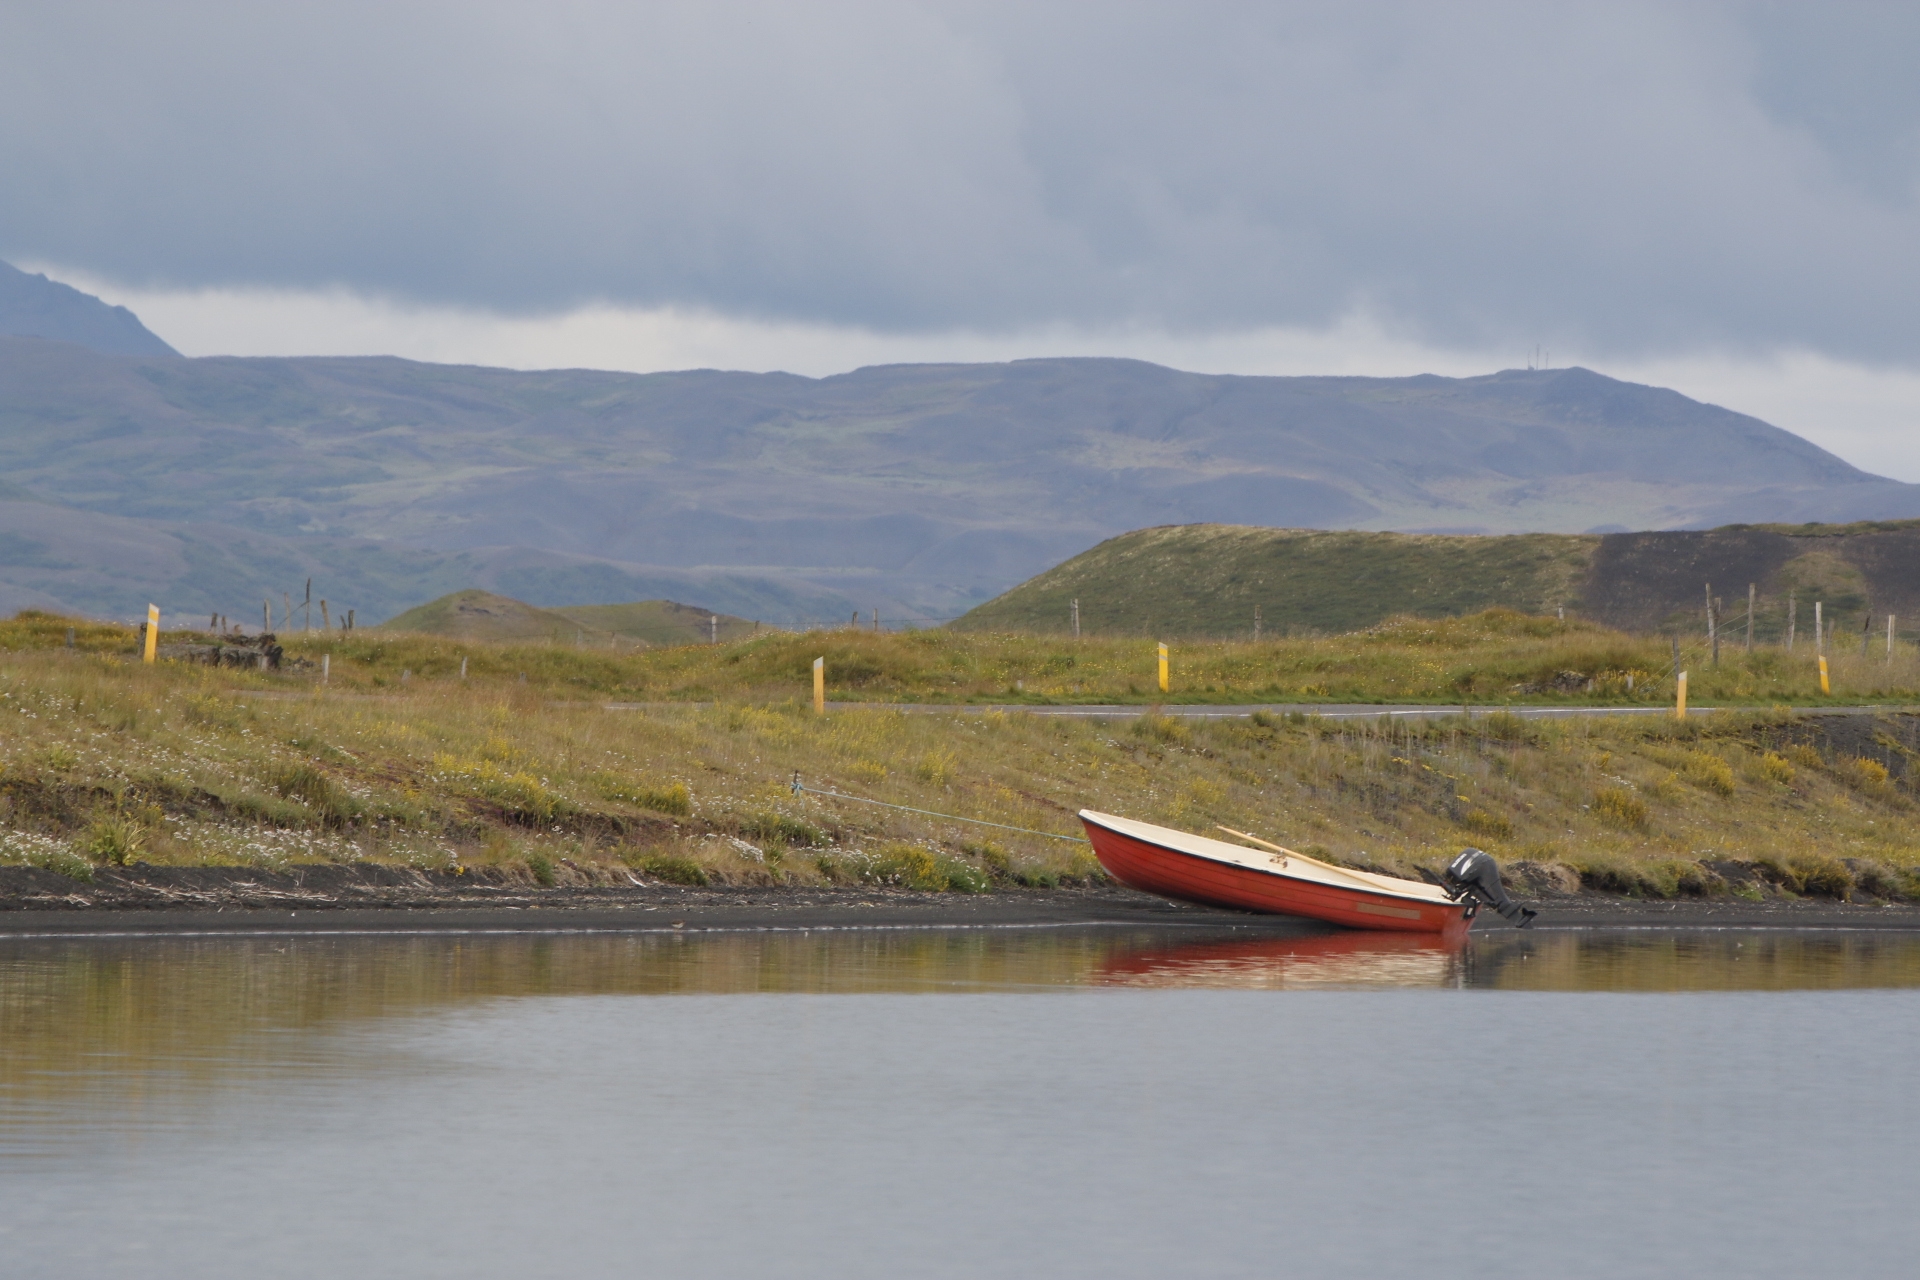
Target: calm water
x,y
1023,1102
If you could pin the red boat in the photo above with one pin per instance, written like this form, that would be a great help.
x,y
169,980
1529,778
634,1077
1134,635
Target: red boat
x,y
1194,868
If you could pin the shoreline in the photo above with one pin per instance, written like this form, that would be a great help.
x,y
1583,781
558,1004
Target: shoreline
x,y
388,900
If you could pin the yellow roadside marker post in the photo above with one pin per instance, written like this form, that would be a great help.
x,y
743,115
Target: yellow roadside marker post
x,y
1824,687
1680,697
1163,668
153,631
819,686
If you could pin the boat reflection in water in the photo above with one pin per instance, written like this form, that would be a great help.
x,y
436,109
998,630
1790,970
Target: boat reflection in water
x,y
1345,959
1571,960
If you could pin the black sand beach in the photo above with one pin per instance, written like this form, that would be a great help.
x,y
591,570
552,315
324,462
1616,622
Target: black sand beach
x,y
381,899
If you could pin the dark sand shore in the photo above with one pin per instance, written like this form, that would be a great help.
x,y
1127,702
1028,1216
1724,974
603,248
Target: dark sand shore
x,y
376,899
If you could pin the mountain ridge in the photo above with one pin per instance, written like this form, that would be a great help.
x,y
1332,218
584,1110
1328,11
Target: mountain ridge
x,y
34,306
920,489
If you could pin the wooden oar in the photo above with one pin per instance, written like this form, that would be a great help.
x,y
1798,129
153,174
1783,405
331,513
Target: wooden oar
x,y
1367,878
1264,844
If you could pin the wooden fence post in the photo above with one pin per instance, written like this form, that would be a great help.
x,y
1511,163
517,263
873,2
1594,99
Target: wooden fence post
x,y
1791,605
1713,633
1076,617
1749,617
1819,636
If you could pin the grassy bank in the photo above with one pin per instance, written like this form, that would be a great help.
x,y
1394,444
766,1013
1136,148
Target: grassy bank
x,y
1486,659
105,759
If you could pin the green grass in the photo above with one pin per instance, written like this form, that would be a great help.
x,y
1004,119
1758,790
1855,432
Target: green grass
x,y
1204,581
485,616
658,622
1487,659
104,759
482,615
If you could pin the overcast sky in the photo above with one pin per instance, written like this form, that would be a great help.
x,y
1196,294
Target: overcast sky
x,y
1721,192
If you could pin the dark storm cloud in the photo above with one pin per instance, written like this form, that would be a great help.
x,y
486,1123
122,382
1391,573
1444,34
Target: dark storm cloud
x,y
1630,178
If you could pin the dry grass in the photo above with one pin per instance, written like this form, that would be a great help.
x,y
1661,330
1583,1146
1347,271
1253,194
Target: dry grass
x,y
106,760
1486,659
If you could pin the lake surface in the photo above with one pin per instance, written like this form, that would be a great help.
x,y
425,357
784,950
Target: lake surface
x,y
1033,1102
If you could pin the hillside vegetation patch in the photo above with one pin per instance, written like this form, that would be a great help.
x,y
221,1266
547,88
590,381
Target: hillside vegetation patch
x,y
103,760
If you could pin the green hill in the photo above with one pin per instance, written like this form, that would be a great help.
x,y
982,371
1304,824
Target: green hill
x,y
661,622
1208,580
482,615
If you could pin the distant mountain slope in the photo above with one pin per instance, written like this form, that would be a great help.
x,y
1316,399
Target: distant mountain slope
x,y
921,489
34,306
1207,580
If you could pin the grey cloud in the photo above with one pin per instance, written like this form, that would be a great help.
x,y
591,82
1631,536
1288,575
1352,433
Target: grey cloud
x,y
1626,178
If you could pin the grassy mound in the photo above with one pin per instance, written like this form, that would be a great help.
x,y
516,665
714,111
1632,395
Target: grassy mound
x,y
1207,580
482,615
658,622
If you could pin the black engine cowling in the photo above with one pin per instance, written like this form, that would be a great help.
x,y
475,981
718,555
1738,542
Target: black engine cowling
x,y
1475,875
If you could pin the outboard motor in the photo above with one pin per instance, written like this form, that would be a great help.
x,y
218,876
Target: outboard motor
x,y
1475,875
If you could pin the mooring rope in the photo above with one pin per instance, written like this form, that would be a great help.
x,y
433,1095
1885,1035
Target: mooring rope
x,y
799,789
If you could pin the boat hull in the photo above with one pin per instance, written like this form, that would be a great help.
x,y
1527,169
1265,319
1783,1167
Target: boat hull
x,y
1152,867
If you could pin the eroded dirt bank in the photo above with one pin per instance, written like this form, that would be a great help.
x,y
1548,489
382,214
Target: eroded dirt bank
x,y
383,898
